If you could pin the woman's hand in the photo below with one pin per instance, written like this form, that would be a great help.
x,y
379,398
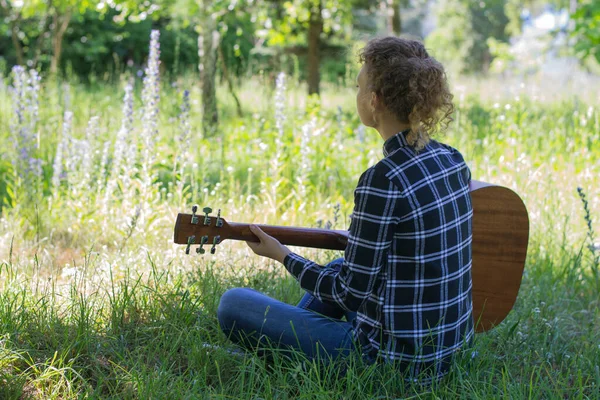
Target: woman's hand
x,y
268,246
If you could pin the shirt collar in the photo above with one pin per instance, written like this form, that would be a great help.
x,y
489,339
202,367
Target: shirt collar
x,y
395,142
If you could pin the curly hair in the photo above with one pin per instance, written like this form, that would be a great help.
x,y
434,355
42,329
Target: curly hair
x,y
412,85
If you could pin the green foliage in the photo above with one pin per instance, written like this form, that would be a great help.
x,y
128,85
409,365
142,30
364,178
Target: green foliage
x,y
7,186
237,41
460,41
287,22
502,57
512,9
104,40
96,44
452,41
587,30
31,8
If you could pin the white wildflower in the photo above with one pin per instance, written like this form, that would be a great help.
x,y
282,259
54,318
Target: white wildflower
x,y
150,98
124,148
62,146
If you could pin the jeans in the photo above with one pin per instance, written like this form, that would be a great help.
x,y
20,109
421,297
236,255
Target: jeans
x,y
256,321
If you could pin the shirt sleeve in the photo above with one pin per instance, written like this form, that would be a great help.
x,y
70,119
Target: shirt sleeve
x,y
370,237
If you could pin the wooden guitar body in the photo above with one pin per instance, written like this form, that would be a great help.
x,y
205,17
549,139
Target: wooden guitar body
x,y
500,238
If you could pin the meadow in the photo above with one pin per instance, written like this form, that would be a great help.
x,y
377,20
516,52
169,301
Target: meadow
x,y
96,301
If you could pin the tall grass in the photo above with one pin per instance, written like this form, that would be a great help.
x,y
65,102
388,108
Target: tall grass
x,y
96,302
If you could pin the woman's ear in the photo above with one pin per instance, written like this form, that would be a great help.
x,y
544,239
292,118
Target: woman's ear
x,y
374,102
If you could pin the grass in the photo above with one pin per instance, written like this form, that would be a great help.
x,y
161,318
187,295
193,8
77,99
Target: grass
x,y
95,302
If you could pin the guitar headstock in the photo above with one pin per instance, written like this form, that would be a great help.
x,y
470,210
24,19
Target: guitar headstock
x,y
202,230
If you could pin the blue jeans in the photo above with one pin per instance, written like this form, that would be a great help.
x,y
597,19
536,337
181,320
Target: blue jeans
x,y
256,321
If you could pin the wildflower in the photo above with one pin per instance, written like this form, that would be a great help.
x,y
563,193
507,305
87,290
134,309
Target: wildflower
x,y
25,91
123,149
35,167
33,98
305,151
66,90
69,272
588,218
85,149
361,133
184,120
280,102
103,162
340,121
150,98
57,167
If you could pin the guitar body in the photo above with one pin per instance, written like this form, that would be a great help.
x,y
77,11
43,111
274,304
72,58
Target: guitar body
x,y
500,238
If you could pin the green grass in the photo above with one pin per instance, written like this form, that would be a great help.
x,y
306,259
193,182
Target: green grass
x,y
95,303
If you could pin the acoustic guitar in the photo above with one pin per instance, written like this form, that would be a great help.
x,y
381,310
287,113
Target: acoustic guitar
x,y
500,238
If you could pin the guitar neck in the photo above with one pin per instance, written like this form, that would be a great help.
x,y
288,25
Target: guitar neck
x,y
303,237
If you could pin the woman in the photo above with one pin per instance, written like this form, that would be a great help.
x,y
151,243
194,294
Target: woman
x,y
404,283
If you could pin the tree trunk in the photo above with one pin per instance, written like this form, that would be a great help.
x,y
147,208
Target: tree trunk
x,y
314,44
16,42
393,14
61,23
396,17
208,44
40,40
238,105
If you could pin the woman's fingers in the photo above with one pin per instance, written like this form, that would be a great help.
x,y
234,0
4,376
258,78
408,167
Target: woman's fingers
x,y
258,232
268,245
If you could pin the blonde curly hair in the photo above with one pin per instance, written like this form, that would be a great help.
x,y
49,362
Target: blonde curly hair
x,y
412,85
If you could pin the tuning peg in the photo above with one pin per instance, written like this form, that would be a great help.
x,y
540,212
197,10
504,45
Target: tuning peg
x,y
216,241
194,216
219,222
191,240
203,241
206,210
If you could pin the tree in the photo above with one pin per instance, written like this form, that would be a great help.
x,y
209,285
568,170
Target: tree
x,y
394,14
464,27
315,28
55,16
295,24
210,20
587,30
452,40
14,16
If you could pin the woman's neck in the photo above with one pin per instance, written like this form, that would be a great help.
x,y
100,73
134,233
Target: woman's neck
x,y
390,127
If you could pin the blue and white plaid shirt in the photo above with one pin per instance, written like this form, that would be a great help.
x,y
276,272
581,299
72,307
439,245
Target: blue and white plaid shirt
x,y
407,265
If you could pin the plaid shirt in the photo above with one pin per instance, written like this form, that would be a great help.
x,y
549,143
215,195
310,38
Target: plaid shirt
x,y
407,265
